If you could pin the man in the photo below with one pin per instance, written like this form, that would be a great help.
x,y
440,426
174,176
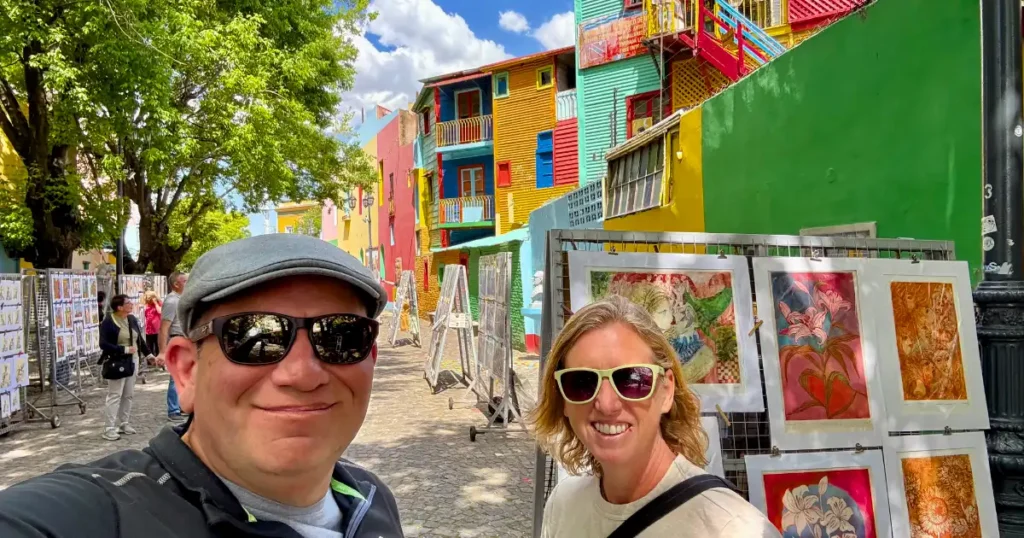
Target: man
x,y
276,372
170,326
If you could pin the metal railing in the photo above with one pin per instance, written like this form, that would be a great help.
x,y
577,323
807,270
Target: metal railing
x,y
764,13
565,105
745,30
465,131
467,209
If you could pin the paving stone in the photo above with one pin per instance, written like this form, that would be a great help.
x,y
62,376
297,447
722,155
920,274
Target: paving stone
x,y
445,485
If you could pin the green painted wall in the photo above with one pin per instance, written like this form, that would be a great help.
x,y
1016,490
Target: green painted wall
x,y
595,88
877,118
515,309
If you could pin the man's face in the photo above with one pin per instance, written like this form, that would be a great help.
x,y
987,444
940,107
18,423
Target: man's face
x,y
297,415
179,285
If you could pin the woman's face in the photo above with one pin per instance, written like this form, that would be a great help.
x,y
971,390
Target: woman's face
x,y
126,308
608,347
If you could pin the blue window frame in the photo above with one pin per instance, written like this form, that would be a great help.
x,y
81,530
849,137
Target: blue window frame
x,y
545,160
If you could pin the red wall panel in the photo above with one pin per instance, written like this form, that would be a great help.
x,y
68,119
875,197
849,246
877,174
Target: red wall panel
x,y
567,165
398,160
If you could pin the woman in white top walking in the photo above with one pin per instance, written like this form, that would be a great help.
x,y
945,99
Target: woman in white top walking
x,y
121,339
614,403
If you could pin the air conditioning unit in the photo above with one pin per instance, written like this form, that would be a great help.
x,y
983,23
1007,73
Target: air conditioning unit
x,y
642,124
633,4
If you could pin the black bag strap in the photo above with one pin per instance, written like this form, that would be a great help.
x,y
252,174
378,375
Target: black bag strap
x,y
664,504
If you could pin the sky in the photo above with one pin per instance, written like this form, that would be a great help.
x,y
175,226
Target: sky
x,y
415,39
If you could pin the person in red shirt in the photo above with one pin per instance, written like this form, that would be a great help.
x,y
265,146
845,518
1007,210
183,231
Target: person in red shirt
x,y
153,306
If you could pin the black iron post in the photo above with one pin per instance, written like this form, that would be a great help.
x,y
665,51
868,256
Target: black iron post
x,y
999,298
119,262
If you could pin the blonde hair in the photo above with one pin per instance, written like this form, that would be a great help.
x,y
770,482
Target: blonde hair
x,y
149,297
680,427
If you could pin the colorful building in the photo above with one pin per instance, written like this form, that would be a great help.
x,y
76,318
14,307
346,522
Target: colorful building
x,y
535,133
817,139
290,213
397,212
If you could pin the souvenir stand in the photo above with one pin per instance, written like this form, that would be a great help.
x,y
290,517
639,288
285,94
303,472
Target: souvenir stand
x,y
844,369
134,286
14,370
406,295
63,337
452,313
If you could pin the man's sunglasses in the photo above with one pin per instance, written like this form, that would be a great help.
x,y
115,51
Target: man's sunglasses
x,y
632,382
260,338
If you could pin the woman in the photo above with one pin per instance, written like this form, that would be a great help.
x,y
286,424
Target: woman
x,y
614,402
120,339
153,307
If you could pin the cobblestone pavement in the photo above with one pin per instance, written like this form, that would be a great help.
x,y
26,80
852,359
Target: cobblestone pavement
x,y
445,485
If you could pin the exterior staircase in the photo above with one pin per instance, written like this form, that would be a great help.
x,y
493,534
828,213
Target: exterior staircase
x,y
722,33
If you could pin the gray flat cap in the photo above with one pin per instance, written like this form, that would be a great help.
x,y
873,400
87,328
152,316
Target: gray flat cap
x,y
240,265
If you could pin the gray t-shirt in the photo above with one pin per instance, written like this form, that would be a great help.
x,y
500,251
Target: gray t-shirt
x,y
322,520
170,313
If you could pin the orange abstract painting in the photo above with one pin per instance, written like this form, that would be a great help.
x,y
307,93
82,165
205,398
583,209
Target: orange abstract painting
x,y
940,496
928,341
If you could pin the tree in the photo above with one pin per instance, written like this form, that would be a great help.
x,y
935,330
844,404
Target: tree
x,y
48,52
310,223
215,228
249,110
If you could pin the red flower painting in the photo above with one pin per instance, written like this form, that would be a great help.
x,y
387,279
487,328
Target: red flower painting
x,y
820,353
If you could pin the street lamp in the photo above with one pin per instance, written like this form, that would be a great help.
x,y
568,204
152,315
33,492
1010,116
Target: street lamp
x,y
368,203
999,298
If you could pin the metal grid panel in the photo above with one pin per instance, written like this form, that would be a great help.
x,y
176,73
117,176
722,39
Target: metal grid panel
x,y
13,338
586,204
745,433
452,313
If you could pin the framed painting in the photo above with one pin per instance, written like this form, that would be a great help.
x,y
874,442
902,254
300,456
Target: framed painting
x,y
928,346
702,303
825,494
15,401
940,485
818,353
714,451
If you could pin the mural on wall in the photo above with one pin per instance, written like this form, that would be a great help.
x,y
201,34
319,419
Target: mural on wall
x,y
819,340
940,496
928,341
611,38
693,308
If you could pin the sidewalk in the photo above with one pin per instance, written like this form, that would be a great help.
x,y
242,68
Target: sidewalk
x,y
445,485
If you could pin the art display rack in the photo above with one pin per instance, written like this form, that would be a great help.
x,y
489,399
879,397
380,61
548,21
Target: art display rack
x,y
494,349
19,417
406,293
452,313
60,381
741,433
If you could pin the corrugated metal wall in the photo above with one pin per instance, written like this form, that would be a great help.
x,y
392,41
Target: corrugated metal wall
x,y
567,160
602,91
517,120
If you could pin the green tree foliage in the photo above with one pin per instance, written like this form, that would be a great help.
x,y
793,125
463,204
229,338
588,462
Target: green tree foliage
x,y
310,223
214,228
184,102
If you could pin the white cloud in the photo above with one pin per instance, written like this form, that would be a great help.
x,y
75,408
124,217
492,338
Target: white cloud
x,y
513,22
420,41
557,32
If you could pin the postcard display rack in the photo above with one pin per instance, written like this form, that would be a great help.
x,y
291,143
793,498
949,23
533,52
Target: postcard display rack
x,y
839,370
14,374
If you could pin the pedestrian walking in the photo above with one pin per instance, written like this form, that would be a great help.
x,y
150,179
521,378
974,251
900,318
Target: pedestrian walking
x,y
153,314
170,326
120,340
276,371
614,407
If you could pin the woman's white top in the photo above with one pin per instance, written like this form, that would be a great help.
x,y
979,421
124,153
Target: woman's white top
x,y
577,509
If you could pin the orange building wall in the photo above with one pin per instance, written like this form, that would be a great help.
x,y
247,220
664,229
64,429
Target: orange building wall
x,y
428,297
517,120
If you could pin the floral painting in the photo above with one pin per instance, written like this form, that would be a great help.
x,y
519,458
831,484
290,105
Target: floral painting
x,y
940,495
835,503
820,353
928,341
695,310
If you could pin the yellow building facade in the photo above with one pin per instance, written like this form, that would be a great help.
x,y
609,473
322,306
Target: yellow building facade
x,y
354,228
527,110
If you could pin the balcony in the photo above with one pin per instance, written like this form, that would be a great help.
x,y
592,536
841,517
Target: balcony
x,y
466,212
565,105
467,137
